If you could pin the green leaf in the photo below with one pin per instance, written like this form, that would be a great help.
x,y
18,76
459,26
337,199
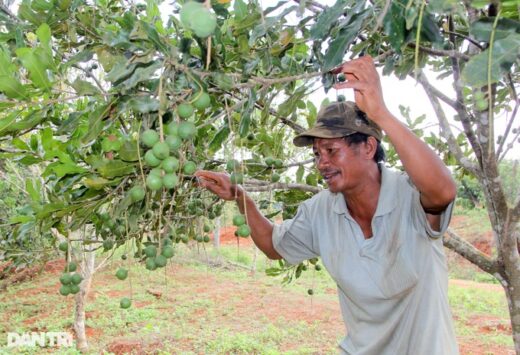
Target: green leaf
x,y
394,24
12,88
83,56
120,70
96,182
289,105
223,81
337,48
96,123
128,151
240,8
20,144
62,169
35,67
21,219
113,168
83,87
481,29
442,6
144,104
44,35
299,174
326,19
49,208
505,53
32,190
140,75
29,121
245,118
430,30
312,115
6,123
6,66
219,138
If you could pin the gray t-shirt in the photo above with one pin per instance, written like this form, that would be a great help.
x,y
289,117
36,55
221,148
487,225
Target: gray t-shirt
x,y
392,287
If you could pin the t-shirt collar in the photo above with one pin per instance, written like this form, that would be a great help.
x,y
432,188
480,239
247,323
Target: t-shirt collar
x,y
387,196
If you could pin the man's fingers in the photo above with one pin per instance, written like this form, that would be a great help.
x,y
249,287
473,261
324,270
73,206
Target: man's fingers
x,y
356,85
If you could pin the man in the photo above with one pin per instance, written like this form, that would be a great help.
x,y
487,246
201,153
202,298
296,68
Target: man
x,y
377,231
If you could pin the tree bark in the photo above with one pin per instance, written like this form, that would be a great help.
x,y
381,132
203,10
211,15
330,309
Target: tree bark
x,y
87,271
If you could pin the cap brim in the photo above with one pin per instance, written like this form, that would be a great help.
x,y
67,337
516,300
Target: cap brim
x,y
307,138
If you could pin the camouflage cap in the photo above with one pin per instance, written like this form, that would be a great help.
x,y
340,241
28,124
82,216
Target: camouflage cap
x,y
339,119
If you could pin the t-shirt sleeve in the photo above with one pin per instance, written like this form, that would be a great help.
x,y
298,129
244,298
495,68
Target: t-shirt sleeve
x,y
420,215
293,239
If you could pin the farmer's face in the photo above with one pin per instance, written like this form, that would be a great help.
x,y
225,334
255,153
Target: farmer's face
x,y
342,166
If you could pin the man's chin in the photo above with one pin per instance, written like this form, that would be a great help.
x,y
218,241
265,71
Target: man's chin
x,y
332,188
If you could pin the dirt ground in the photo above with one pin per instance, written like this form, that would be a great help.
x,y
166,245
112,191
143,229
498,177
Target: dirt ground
x,y
270,302
269,305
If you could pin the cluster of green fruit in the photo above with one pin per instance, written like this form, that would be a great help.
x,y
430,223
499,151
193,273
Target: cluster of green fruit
x,y
199,19
109,227
243,230
122,274
155,260
274,164
233,167
164,165
70,280
197,207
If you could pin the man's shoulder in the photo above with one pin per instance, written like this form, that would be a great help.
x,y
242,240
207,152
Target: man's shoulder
x,y
324,197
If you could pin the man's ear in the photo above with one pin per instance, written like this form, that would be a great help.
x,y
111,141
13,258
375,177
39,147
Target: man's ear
x,y
370,147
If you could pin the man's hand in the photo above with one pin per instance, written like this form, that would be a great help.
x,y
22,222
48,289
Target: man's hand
x,y
362,76
218,183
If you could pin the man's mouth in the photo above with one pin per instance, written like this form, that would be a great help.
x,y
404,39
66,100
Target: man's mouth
x,y
329,175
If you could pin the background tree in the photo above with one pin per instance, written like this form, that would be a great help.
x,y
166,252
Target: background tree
x,y
82,82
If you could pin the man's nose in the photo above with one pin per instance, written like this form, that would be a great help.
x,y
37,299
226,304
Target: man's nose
x,y
322,162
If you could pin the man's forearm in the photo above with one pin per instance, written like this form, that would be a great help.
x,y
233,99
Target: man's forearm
x,y
261,227
427,171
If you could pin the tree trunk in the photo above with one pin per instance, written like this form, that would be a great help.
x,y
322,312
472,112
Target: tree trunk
x,y
87,271
513,298
511,259
216,233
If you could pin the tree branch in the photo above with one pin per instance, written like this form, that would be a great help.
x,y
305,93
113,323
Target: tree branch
x,y
441,53
432,90
475,43
445,126
454,242
461,107
506,133
310,3
254,185
8,12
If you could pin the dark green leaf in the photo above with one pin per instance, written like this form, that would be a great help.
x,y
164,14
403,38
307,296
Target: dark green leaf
x,y
337,48
32,190
37,69
96,123
394,24
481,29
504,53
299,174
140,75
240,8
219,138
83,87
326,19
12,88
96,182
112,168
128,151
144,104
